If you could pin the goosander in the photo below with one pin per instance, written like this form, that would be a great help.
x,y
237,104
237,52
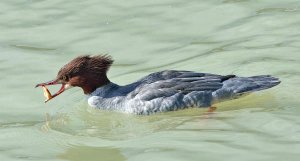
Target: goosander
x,y
162,91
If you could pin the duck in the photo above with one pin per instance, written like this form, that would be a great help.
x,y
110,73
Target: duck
x,y
162,91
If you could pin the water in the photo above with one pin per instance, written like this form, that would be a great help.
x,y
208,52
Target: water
x,y
231,36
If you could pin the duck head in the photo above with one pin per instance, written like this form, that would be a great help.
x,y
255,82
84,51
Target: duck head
x,y
87,72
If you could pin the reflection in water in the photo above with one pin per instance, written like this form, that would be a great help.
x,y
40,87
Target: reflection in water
x,y
90,122
82,153
59,120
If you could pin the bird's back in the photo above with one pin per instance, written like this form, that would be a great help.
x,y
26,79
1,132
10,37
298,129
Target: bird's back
x,y
165,91
172,90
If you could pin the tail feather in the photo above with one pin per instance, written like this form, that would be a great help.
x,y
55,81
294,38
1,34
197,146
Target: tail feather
x,y
238,86
257,83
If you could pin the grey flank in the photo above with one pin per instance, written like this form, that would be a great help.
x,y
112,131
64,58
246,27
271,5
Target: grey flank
x,y
172,90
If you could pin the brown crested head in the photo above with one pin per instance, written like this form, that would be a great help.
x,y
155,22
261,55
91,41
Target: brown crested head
x,y
87,72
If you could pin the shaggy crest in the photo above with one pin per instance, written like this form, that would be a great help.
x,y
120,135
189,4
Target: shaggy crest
x,y
82,65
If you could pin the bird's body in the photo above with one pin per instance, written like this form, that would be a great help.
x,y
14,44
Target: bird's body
x,y
173,90
158,92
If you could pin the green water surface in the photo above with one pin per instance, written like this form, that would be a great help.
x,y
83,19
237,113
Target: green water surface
x,y
242,37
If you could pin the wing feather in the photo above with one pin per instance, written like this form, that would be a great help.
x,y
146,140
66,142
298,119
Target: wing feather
x,y
168,83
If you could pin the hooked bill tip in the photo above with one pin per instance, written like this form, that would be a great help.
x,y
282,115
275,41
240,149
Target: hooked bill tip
x,y
38,85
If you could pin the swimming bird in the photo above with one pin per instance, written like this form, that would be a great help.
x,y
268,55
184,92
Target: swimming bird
x,y
162,91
